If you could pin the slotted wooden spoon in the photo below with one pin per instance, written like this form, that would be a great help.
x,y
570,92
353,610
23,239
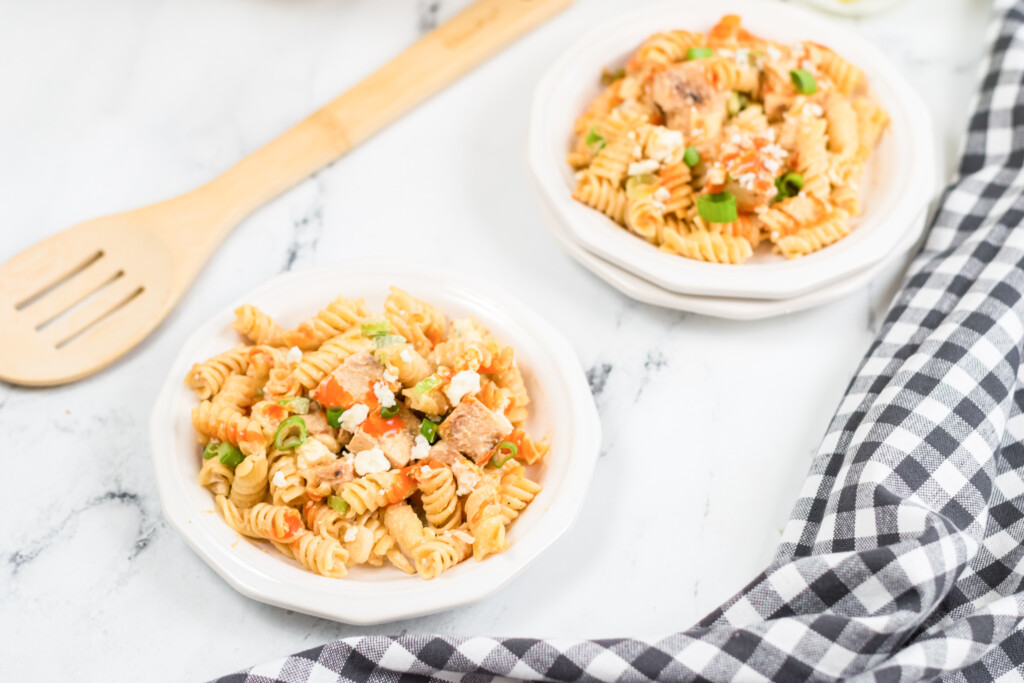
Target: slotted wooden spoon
x,y
77,301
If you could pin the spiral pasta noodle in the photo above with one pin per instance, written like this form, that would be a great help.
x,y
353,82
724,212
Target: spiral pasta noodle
x,y
286,485
279,523
250,483
320,554
440,554
810,239
441,504
257,326
378,490
486,519
339,316
207,378
216,476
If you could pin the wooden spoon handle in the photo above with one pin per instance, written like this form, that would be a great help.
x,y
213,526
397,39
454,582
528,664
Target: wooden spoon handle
x,y
435,61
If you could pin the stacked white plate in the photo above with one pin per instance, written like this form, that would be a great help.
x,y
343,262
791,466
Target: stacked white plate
x,y
896,187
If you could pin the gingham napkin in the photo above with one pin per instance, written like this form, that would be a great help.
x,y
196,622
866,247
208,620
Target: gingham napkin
x,y
903,560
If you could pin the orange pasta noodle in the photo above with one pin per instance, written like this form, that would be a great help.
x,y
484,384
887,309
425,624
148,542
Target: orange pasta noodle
x,y
339,316
257,326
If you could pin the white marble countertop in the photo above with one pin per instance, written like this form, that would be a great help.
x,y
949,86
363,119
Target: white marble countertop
x,y
117,103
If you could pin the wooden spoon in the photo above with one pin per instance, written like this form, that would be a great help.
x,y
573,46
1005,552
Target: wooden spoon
x,y
79,300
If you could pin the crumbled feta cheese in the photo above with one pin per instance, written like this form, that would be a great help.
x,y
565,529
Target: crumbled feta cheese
x,y
661,194
663,143
405,355
371,461
746,180
421,448
773,52
350,534
465,382
383,394
813,109
772,165
775,151
463,536
742,56
659,206
807,65
294,355
311,453
638,151
646,166
736,139
353,417
467,476
631,135
279,481
425,470
390,376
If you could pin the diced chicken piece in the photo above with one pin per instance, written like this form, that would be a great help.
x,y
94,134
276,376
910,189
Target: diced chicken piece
x,y
333,474
473,429
688,100
358,373
444,453
397,448
317,428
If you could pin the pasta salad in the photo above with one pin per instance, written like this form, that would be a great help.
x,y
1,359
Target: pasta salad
x,y
707,145
362,439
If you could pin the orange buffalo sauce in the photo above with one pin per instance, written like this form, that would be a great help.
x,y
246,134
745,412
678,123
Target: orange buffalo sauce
x,y
292,525
275,412
330,394
375,425
402,487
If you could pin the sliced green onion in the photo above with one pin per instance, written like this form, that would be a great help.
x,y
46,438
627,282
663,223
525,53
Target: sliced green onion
x,y
732,105
391,411
375,328
299,404
334,417
428,429
338,504
639,185
738,101
228,454
214,449
717,208
698,53
231,457
804,81
427,384
383,340
594,138
290,434
789,185
609,77
691,157
507,449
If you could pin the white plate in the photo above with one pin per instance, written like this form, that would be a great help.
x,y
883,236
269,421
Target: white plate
x,y
721,307
562,405
854,8
898,183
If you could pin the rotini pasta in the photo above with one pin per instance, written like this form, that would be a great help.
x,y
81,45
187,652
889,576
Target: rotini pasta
x,y
700,137
357,439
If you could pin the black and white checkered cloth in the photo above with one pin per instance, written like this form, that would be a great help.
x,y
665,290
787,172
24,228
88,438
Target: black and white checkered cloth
x,y
904,558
